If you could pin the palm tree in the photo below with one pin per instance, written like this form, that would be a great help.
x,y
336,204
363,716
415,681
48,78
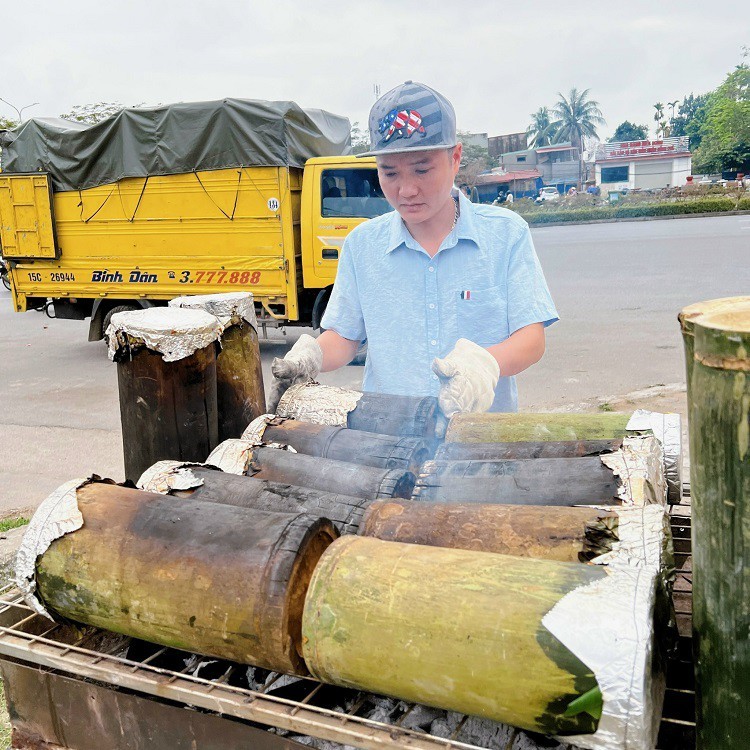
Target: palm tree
x,y
542,129
577,116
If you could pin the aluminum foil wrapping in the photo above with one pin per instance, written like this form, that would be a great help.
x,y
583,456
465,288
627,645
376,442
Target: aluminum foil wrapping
x,y
56,516
254,431
173,332
667,429
166,476
226,307
639,468
617,643
233,456
644,540
319,404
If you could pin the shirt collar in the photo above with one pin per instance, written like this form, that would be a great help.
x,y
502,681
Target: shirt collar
x,y
465,228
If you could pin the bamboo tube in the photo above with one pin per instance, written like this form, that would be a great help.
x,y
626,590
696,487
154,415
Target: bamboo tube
x,y
215,579
691,314
719,422
532,643
512,428
166,373
341,444
239,379
208,484
500,451
539,481
330,476
637,536
404,416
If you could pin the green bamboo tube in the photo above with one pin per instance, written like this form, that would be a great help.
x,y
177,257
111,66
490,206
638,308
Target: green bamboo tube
x,y
462,630
691,314
509,428
719,421
543,532
215,579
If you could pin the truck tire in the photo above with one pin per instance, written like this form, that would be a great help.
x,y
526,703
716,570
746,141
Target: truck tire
x,y
108,317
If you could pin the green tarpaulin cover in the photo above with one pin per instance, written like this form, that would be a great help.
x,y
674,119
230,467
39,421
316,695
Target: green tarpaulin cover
x,y
173,139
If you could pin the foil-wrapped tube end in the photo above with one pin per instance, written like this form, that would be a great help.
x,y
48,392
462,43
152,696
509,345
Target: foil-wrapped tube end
x,y
254,431
167,476
667,428
319,404
639,468
56,516
173,332
232,456
621,658
229,308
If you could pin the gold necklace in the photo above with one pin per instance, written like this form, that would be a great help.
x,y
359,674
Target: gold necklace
x,y
455,216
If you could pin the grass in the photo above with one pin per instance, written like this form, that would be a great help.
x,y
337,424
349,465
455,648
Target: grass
x,y
12,523
606,406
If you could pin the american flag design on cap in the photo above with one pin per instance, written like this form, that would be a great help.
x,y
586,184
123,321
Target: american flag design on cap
x,y
411,117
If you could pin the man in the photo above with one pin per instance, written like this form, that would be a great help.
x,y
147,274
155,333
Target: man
x,y
449,294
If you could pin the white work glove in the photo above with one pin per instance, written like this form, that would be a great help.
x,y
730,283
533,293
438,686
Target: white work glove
x,y
301,364
468,375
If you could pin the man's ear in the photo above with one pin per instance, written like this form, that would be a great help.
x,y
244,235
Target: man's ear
x,y
456,157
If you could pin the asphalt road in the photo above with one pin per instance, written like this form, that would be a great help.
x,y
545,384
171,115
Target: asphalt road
x,y
618,288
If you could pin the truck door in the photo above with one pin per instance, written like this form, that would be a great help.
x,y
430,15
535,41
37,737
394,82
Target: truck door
x,y
27,229
337,197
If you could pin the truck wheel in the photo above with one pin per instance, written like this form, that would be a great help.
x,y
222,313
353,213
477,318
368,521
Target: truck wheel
x,y
108,318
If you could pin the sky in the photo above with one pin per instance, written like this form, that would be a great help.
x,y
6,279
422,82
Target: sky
x,y
496,62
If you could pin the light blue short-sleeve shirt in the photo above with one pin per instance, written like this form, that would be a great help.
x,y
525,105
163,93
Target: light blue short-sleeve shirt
x,y
484,283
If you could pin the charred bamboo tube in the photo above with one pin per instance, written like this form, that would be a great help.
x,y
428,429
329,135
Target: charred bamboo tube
x,y
330,476
207,484
166,374
509,428
500,451
541,481
404,416
506,638
275,465
638,536
341,444
719,425
219,580
239,380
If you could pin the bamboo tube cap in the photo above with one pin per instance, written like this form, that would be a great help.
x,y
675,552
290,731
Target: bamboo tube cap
x,y
691,314
722,339
230,307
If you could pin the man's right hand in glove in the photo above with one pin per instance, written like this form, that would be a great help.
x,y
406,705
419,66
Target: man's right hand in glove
x,y
302,363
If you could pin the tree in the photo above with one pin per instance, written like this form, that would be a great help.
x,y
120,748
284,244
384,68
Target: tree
x,y
474,159
628,131
725,131
6,123
577,116
662,129
692,113
542,129
360,139
93,113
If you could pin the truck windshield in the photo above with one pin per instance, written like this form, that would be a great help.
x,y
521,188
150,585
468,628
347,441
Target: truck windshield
x,y
354,193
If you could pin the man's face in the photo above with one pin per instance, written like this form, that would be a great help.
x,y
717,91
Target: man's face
x,y
418,185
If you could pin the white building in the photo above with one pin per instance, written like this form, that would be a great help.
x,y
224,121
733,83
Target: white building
x,y
643,165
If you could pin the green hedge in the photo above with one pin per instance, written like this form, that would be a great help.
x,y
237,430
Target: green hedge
x,y
628,211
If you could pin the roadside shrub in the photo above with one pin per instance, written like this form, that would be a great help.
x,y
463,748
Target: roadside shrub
x,y
707,204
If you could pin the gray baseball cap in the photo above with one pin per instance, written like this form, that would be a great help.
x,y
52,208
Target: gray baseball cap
x,y
411,117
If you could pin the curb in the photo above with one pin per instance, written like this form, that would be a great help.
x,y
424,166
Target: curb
x,y
703,215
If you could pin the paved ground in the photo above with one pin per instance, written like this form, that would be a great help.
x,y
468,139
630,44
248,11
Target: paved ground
x,y
618,288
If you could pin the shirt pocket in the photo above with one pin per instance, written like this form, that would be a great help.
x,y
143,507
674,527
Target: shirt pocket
x,y
482,315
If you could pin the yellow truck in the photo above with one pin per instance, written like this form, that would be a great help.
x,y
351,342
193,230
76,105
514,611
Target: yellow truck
x,y
140,240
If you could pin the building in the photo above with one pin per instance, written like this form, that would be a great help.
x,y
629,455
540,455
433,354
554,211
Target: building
x,y
559,164
479,140
503,144
490,186
643,165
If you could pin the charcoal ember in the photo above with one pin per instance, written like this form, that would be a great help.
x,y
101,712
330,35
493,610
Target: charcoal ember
x,y
420,717
320,744
380,709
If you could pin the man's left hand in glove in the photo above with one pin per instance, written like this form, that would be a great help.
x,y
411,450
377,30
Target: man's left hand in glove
x,y
468,376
